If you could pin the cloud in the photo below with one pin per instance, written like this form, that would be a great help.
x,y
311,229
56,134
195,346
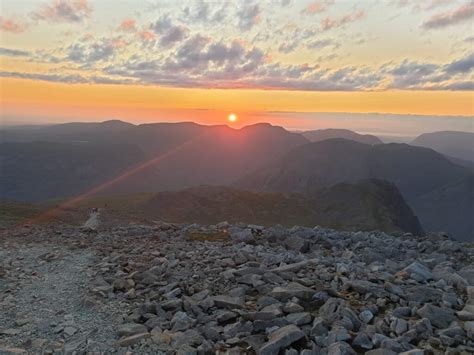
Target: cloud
x,y
322,43
13,52
64,11
170,33
88,52
462,14
248,16
330,23
463,85
64,78
128,25
411,73
287,47
421,5
203,12
463,65
146,35
9,25
317,7
414,75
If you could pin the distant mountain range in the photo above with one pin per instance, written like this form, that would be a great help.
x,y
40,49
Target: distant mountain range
x,y
323,134
61,161
455,144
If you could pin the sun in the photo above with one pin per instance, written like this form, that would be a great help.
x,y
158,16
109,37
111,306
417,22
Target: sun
x,y
232,117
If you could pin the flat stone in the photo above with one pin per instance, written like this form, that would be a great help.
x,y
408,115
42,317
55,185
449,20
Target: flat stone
x,y
293,289
418,271
129,329
131,340
10,331
223,301
299,318
281,339
181,321
69,331
439,317
295,267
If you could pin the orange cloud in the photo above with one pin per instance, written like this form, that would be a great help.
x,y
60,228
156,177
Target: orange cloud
x,y
147,35
9,25
317,7
128,25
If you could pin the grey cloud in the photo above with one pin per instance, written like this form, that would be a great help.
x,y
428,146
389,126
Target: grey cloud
x,y
13,52
463,85
445,19
206,12
287,47
248,16
170,32
429,76
64,78
321,43
463,65
95,51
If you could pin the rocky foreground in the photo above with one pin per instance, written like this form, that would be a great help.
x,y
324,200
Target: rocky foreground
x,y
233,289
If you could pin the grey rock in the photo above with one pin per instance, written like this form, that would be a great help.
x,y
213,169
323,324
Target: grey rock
x,y
181,321
280,339
340,348
131,329
133,339
318,328
293,289
366,316
301,318
223,301
362,341
297,244
295,267
292,307
439,317
242,236
381,352
413,352
418,271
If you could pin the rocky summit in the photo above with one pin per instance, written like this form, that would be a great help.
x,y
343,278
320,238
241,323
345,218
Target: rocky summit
x,y
233,289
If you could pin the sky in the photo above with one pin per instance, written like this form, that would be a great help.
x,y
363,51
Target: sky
x,y
302,64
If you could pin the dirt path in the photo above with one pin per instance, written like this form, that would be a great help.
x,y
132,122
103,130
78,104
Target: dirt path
x,y
44,301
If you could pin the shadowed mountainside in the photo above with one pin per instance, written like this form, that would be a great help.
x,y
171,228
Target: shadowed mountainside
x,y
79,156
419,174
364,205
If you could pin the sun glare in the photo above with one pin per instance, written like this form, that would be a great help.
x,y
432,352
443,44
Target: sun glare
x,y
232,117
